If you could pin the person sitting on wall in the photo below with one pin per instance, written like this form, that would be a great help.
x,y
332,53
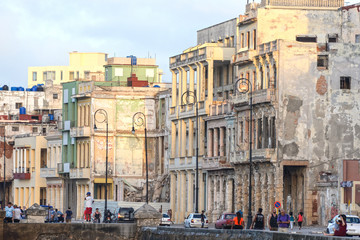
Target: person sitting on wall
x,y
342,227
238,222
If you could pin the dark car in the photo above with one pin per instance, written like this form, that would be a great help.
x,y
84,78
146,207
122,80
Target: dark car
x,y
225,220
125,215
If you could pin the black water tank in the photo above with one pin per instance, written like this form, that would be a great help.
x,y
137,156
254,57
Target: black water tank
x,y
5,88
40,89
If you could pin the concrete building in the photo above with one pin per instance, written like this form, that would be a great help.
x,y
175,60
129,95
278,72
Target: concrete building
x,y
84,148
205,70
302,61
30,154
82,66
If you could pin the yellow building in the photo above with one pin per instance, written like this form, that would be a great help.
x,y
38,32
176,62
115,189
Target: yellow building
x,y
30,154
84,66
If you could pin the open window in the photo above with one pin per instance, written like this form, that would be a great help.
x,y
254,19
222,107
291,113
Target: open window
x,y
322,61
345,82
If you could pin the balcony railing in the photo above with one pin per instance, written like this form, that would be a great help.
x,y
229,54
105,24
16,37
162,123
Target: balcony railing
x,y
244,55
258,96
303,3
187,58
211,163
268,47
80,173
80,132
219,109
22,176
48,172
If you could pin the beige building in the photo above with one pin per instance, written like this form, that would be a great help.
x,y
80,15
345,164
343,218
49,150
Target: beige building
x,y
205,70
30,155
82,66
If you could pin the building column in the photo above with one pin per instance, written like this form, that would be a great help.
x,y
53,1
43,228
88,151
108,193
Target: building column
x,y
228,199
210,143
172,193
216,142
245,192
271,189
21,160
257,191
210,80
222,149
183,195
178,198
210,194
222,194
183,138
62,198
201,192
25,161
173,140
14,161
78,200
238,190
191,79
183,84
191,138
190,191
264,202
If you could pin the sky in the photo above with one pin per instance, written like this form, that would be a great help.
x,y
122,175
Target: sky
x,y
43,32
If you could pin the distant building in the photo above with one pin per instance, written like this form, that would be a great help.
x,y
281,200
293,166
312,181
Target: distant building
x,y
82,66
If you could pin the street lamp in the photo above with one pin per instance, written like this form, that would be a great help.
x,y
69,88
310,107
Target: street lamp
x,y
189,97
139,119
103,117
4,204
243,86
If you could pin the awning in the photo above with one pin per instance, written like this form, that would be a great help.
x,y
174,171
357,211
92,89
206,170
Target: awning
x,y
102,180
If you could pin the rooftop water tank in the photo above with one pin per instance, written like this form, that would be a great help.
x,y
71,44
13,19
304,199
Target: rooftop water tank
x,y
14,88
40,89
28,89
22,110
51,116
21,89
5,88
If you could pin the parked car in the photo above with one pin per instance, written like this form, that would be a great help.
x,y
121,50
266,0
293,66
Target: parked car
x,y
165,220
225,220
352,222
194,220
125,215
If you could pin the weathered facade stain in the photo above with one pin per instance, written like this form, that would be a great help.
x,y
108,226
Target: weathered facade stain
x,y
321,85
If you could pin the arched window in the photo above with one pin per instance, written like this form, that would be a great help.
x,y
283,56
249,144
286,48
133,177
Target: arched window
x,y
268,76
261,78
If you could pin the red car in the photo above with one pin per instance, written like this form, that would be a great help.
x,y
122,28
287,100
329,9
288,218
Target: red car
x,y
225,220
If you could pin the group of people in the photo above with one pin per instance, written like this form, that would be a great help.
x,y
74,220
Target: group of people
x,y
14,213
276,222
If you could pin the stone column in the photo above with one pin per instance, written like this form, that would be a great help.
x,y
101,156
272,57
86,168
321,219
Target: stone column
x,y
178,198
191,78
192,139
21,160
264,202
222,147
216,142
183,195
228,199
25,161
210,80
172,193
222,194
201,191
190,200
173,140
183,138
257,190
210,143
62,198
245,192
210,194
238,190
271,189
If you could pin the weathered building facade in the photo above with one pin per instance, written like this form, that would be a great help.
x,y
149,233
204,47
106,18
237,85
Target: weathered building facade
x,y
301,60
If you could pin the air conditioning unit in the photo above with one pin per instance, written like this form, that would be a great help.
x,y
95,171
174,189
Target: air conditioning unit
x,y
66,167
60,167
45,118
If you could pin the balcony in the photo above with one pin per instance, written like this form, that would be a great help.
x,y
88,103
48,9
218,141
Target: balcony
x,y
263,96
268,47
22,176
244,56
80,173
220,109
76,132
258,155
213,163
48,173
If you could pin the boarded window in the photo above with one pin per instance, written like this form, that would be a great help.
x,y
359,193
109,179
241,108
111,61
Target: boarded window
x,y
18,105
306,38
322,61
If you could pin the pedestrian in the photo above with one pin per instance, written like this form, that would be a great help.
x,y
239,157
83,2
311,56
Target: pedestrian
x,y
342,227
283,221
97,216
169,213
292,219
202,216
23,212
9,213
88,204
68,215
52,215
300,219
258,221
237,222
160,209
17,214
60,216
273,225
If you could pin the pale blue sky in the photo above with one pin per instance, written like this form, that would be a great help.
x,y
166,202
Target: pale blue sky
x,y
43,32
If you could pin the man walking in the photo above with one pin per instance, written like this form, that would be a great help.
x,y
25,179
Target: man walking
x,y
17,214
88,204
283,221
258,221
68,215
273,225
202,218
9,215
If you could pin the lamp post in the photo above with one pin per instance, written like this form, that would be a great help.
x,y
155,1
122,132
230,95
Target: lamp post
x,y
139,119
4,165
189,97
243,86
103,117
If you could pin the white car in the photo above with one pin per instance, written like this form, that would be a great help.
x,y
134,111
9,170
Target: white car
x,y
352,222
165,220
194,220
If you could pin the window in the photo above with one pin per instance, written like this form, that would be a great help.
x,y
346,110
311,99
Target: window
x,y
55,96
18,105
87,75
332,38
77,75
61,75
44,131
322,61
34,129
242,40
15,129
357,38
43,157
345,82
232,41
71,75
34,74
254,38
248,39
306,38
48,75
